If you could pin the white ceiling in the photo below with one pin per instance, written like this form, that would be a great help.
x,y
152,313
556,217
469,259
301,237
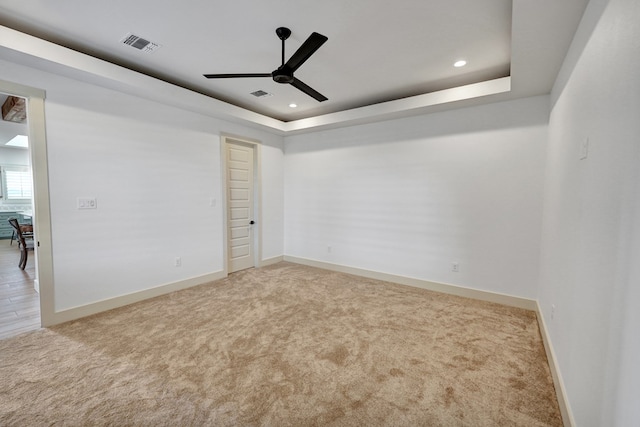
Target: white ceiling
x,y
378,51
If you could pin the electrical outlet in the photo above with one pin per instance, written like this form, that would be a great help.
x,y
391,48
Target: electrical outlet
x,y
455,267
178,262
584,149
329,249
553,311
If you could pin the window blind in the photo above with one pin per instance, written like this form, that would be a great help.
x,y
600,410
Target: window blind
x,y
18,184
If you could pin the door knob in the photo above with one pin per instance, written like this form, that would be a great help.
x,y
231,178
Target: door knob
x,y
252,222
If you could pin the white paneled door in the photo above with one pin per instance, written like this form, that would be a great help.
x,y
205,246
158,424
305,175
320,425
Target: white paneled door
x,y
240,206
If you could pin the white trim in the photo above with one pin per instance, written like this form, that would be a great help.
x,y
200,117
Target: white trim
x,y
392,109
257,196
223,192
41,207
123,300
257,202
10,88
561,391
271,261
34,52
50,57
512,301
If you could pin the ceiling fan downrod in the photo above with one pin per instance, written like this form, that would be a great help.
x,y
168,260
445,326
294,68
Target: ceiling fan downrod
x,y
283,34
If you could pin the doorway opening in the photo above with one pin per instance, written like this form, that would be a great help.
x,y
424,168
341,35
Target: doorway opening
x,y
20,300
26,295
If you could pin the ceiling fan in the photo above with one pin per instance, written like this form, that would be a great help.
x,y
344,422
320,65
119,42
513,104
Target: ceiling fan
x,y
284,73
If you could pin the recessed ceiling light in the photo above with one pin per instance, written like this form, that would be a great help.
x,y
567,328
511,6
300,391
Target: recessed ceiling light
x,y
292,105
460,63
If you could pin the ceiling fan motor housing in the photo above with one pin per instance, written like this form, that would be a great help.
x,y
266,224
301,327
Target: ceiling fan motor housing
x,y
283,74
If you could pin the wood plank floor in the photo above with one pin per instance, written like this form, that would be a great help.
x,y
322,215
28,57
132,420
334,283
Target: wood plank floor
x,y
19,302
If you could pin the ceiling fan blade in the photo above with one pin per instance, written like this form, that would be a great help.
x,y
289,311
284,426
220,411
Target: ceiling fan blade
x,y
309,91
230,76
307,49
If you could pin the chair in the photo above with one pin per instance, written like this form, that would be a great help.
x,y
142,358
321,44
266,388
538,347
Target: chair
x,y
24,243
27,232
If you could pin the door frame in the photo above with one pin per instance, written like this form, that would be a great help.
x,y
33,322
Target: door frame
x,y
41,200
227,139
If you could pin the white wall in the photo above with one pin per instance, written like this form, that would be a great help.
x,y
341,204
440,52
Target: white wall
x,y
272,197
154,170
590,245
409,197
14,156
626,382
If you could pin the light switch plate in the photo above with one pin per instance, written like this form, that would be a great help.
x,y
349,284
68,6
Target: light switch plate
x,y
87,203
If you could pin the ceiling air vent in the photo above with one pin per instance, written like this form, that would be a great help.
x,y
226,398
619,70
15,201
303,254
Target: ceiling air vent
x,y
260,93
140,43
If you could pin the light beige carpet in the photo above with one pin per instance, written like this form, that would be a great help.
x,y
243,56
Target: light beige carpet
x,y
285,345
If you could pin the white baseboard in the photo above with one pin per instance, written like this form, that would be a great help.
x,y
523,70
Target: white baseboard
x,y
563,400
504,299
271,261
121,301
